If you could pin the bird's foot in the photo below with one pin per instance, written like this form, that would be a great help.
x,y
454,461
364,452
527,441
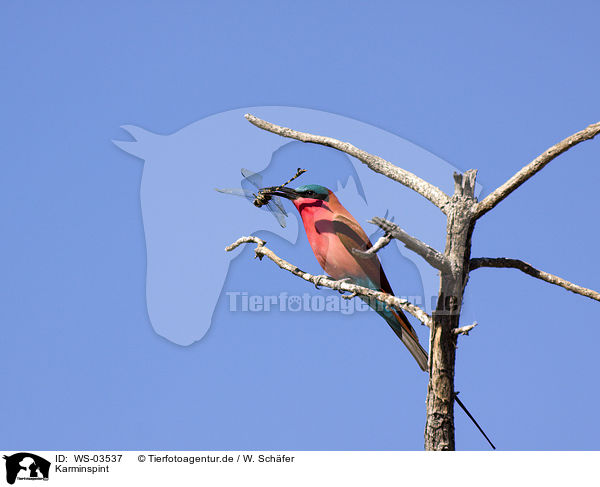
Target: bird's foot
x,y
345,280
318,280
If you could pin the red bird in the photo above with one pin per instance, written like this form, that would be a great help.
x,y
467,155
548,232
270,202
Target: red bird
x,y
333,234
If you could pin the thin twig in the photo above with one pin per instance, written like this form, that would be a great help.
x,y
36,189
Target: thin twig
x,y
376,163
377,246
325,281
534,167
432,256
532,271
464,330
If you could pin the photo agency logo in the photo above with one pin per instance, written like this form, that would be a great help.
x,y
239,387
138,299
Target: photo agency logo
x,y
187,223
26,466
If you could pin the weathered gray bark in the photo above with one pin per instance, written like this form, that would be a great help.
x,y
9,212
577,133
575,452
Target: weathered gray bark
x,y
439,428
462,210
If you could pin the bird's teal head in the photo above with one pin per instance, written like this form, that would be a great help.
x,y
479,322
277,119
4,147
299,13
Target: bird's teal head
x,y
313,191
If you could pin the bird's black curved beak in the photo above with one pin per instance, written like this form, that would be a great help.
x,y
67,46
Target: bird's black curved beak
x,y
288,193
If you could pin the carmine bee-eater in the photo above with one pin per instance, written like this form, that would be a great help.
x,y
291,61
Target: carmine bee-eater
x,y
334,234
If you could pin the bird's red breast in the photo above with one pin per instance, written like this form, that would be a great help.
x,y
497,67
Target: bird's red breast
x,y
324,221
333,233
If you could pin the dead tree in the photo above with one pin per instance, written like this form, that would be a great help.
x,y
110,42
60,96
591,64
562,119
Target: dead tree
x,y
462,211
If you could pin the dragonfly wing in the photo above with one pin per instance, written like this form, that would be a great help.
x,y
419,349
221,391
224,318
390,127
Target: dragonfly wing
x,y
275,206
277,202
237,192
252,177
279,215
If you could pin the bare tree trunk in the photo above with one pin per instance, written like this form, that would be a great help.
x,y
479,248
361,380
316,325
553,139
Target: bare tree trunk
x,y
439,428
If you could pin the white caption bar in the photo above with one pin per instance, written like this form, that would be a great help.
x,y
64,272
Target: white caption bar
x,y
126,468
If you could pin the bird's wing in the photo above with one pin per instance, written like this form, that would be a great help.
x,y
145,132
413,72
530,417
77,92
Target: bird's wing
x,y
353,237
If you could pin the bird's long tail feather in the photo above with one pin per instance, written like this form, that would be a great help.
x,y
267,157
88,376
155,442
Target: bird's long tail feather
x,y
406,333
404,330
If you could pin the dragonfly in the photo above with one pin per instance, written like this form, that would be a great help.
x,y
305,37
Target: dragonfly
x,y
259,199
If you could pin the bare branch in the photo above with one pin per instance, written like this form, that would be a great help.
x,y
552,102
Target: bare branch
x,y
532,271
464,330
341,285
432,256
376,163
381,242
533,168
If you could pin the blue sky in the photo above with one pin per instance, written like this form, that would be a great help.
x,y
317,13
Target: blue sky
x,y
479,85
